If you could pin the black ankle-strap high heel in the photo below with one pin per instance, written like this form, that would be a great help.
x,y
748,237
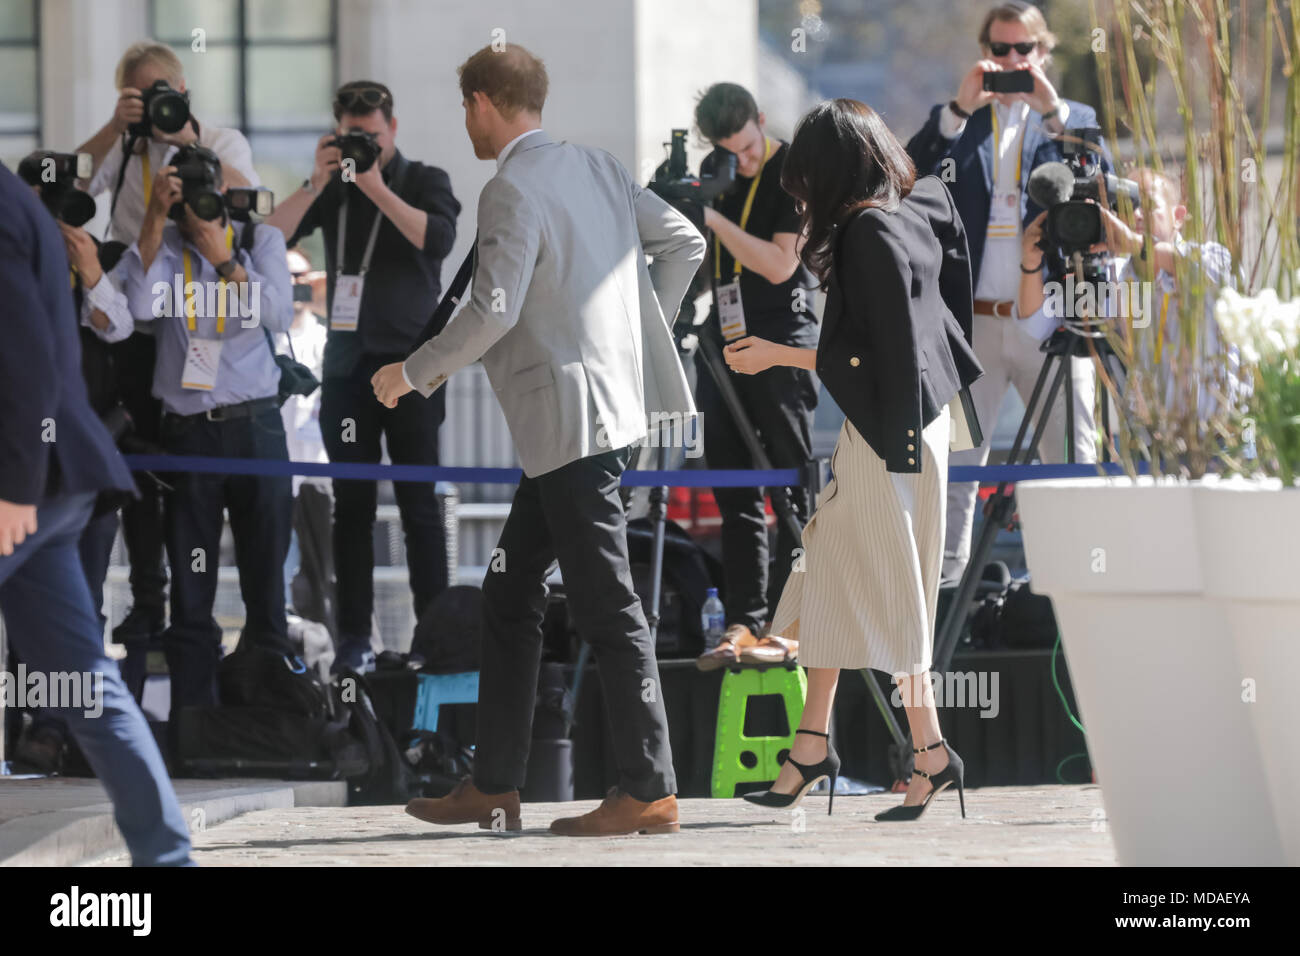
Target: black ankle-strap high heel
x,y
829,768
949,775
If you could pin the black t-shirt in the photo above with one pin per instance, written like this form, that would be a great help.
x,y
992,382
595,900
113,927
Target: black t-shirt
x,y
770,310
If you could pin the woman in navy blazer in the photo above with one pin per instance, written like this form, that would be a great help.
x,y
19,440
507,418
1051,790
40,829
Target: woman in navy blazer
x,y
895,354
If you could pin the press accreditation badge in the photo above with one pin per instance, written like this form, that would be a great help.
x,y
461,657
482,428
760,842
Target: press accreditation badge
x,y
202,359
730,312
1004,215
347,303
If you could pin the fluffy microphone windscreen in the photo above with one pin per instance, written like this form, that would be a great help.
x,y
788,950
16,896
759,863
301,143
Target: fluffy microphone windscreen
x,y
1051,183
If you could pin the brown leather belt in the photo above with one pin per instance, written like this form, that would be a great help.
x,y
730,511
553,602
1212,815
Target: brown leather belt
x,y
998,310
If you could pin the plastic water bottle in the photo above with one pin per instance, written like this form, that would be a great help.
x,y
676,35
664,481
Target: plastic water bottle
x,y
713,618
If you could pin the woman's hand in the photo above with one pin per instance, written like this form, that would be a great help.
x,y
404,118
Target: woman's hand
x,y
751,354
1031,254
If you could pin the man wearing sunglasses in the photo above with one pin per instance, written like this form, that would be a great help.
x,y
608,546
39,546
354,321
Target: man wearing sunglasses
x,y
984,145
387,226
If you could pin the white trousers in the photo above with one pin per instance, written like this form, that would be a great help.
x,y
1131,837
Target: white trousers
x,y
1010,357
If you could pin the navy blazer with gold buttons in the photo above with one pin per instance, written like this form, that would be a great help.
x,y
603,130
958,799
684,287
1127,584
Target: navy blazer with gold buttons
x,y
895,343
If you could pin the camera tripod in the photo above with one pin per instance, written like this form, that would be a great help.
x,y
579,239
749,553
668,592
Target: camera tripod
x,y
1062,345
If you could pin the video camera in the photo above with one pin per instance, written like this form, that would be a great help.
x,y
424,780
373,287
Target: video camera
x,y
1071,191
199,171
165,109
676,185
359,146
55,174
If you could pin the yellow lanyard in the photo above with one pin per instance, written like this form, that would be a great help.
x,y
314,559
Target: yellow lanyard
x,y
145,177
189,290
744,214
997,145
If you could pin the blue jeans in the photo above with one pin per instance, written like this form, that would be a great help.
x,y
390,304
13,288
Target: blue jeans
x,y
54,627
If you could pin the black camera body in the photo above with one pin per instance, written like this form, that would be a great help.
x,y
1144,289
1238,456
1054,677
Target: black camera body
x,y
165,109
199,171
675,184
1072,191
360,147
56,175
1008,81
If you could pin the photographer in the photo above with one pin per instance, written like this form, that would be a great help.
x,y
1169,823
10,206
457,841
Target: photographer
x,y
983,144
127,152
388,221
1161,206
764,291
218,382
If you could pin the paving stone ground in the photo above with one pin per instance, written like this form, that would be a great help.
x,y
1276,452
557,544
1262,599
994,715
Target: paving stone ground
x,y
1007,826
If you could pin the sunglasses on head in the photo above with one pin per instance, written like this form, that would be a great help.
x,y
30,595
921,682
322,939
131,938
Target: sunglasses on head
x,y
1002,49
371,96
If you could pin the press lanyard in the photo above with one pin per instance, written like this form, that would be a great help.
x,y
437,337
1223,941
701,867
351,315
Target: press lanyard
x,y
997,146
343,231
221,292
145,177
744,214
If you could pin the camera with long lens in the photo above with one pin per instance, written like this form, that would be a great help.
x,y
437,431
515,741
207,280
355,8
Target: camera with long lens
x,y
199,171
56,174
165,109
675,184
360,147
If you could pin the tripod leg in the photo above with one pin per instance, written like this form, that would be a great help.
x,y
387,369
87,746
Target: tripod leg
x,y
997,514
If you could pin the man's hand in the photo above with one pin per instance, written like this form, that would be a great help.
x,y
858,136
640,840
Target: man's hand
x,y
750,355
326,162
1044,97
129,109
1121,239
971,94
166,191
208,236
389,384
16,523
82,254
371,182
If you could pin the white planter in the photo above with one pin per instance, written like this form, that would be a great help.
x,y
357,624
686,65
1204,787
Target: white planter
x,y
1155,669
1250,553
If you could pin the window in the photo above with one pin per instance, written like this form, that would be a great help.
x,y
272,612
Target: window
x,y
20,71
266,67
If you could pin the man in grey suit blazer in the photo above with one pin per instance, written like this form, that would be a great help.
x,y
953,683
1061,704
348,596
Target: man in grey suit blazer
x,y
573,329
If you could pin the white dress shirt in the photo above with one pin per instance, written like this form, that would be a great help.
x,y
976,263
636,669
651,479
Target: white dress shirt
x,y
107,296
999,277
508,147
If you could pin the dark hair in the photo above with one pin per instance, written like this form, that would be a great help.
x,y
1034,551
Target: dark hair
x,y
361,98
843,158
723,110
512,78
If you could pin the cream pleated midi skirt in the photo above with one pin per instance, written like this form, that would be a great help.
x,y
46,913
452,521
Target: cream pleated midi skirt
x,y
872,556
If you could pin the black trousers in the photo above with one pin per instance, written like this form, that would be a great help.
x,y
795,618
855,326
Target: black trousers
x,y
574,515
779,403
260,509
142,518
411,430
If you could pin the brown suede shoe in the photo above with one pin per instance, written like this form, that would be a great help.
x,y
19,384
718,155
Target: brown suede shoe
x,y
468,804
728,651
621,813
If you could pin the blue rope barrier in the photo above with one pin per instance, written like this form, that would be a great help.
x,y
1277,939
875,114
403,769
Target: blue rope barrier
x,y
699,478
